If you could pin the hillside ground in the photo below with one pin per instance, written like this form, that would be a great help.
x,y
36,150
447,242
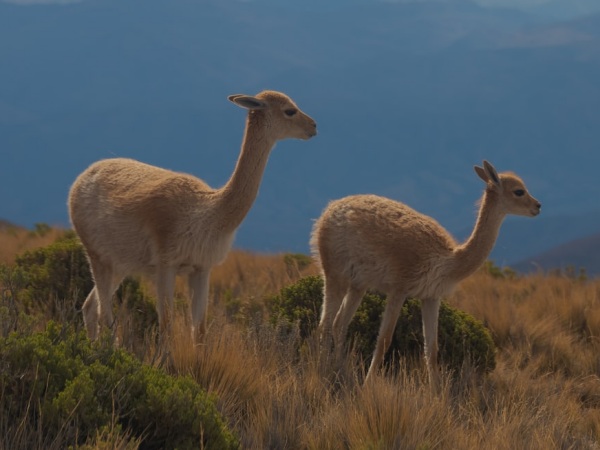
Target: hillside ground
x,y
543,394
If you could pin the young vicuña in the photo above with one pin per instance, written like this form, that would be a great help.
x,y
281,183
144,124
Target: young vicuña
x,y
370,242
135,218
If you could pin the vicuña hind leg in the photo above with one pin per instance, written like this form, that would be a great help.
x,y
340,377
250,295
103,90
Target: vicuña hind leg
x,y
344,316
386,331
97,308
333,291
91,312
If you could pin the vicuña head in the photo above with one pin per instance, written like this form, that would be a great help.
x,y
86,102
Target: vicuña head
x,y
136,218
370,242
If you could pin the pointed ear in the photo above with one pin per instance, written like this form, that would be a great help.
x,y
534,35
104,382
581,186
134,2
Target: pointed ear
x,y
479,171
488,173
234,96
491,173
247,101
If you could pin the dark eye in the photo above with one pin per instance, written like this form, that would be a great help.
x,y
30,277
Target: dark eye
x,y
290,112
519,192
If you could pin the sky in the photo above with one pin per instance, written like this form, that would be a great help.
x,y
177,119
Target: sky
x,y
511,3
436,76
566,8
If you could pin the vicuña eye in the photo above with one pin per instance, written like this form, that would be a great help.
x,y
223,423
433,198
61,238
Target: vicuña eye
x,y
290,112
519,192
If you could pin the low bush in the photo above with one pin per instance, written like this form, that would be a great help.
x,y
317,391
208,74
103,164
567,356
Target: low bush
x,y
59,277
461,337
59,280
70,388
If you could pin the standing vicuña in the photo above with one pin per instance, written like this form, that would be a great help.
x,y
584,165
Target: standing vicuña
x,y
370,242
136,218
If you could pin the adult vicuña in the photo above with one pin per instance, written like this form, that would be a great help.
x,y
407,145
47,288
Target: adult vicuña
x,y
369,242
136,218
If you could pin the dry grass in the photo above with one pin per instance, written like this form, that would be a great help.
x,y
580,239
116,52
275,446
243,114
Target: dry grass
x,y
247,276
552,320
543,394
16,240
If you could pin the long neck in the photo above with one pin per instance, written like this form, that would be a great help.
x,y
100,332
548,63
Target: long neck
x,y
469,256
235,199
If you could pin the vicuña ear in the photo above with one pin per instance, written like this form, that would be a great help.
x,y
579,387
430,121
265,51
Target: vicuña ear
x,y
479,171
488,174
247,101
492,174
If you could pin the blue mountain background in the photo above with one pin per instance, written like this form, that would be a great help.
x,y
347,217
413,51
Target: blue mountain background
x,y
408,96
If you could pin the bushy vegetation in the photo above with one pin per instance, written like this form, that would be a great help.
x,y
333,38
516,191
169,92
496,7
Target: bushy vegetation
x,y
56,279
461,337
56,274
60,383
543,393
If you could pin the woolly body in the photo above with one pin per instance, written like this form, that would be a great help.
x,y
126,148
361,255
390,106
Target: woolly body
x,y
370,242
136,218
385,229
151,216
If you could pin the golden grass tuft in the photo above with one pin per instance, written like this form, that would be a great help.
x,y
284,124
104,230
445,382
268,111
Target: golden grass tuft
x,y
250,276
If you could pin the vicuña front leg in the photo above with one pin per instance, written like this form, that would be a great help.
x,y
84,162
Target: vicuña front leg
x,y
165,287
430,309
198,282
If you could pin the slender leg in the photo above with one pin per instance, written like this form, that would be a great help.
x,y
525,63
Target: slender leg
x,y
91,313
198,283
334,291
165,287
344,316
97,309
386,331
430,309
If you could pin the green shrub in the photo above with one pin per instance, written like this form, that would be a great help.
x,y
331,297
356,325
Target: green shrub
x,y
57,273
59,280
461,337
71,388
41,229
498,272
295,263
12,282
298,303
140,306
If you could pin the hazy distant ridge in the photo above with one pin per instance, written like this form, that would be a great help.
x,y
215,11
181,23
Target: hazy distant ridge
x,y
408,97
